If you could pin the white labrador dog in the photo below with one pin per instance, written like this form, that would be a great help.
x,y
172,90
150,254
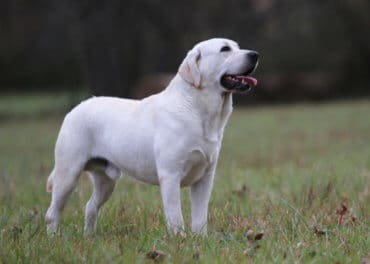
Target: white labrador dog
x,y
171,139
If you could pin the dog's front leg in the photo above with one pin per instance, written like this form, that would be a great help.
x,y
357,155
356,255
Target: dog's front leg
x,y
170,190
200,192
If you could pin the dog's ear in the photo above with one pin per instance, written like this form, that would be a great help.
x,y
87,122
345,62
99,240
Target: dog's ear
x,y
189,69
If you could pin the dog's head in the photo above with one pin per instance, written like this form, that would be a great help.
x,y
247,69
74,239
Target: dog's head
x,y
219,63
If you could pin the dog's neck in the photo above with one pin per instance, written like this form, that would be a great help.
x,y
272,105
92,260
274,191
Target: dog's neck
x,y
211,108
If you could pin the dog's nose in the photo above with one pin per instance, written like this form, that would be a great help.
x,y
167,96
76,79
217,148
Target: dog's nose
x,y
253,56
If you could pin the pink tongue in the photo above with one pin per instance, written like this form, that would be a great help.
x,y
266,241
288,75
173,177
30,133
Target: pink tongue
x,y
250,80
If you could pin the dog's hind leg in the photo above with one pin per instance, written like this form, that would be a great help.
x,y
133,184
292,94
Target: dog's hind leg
x,y
103,188
61,182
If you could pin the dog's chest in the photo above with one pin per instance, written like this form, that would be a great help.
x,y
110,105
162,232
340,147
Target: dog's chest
x,y
199,161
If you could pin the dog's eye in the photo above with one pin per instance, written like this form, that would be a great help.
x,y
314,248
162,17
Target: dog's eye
x,y
225,49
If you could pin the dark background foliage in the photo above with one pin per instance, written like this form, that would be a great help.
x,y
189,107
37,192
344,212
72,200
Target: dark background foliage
x,y
310,50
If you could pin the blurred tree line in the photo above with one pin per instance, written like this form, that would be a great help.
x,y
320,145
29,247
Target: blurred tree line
x,y
309,49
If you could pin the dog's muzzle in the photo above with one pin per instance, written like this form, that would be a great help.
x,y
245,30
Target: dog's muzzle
x,y
242,82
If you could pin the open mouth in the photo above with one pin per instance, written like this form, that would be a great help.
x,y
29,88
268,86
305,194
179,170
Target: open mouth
x,y
238,82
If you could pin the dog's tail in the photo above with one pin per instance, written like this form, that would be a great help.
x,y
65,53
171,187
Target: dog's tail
x,y
49,184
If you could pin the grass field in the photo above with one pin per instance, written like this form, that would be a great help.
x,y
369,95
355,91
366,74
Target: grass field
x,y
292,185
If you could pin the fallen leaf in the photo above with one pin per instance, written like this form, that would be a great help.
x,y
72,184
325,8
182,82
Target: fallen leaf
x,y
345,213
242,191
319,232
251,237
156,255
258,236
343,208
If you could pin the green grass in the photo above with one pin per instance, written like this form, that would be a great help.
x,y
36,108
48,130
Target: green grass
x,y
36,105
299,174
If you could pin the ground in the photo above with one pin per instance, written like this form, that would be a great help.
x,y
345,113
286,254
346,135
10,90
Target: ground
x,y
292,185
